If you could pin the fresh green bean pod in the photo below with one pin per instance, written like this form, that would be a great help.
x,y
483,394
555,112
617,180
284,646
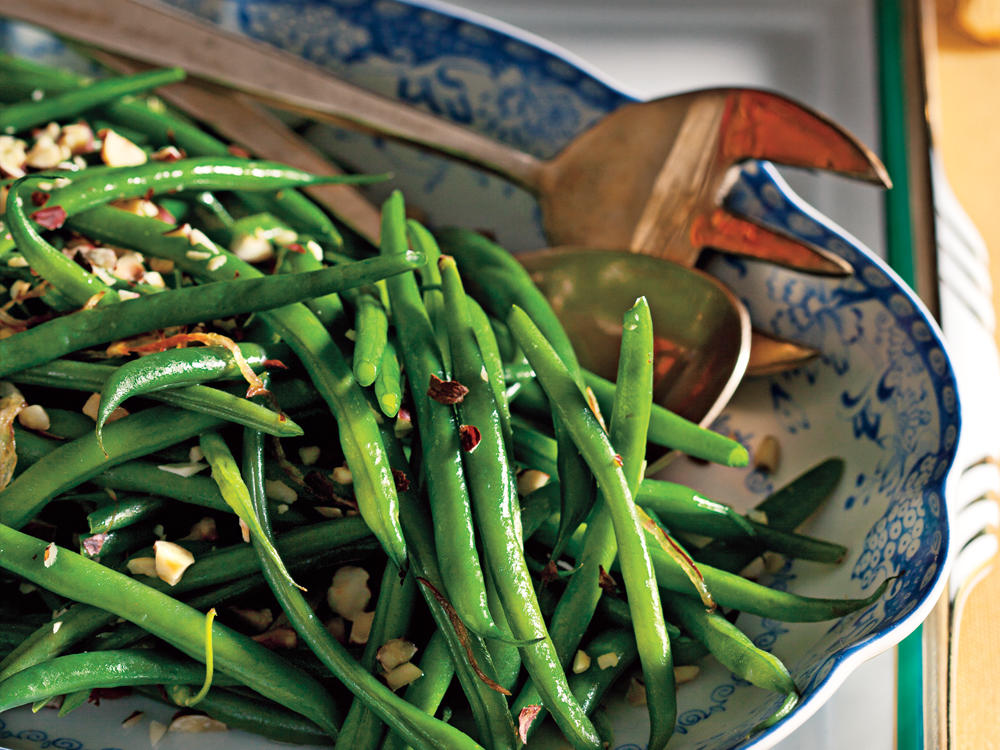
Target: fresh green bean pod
x,y
784,509
494,499
67,277
195,173
88,376
506,656
591,685
182,306
17,117
629,422
238,711
493,362
488,706
361,727
495,270
454,534
389,382
427,692
329,308
729,645
304,333
371,327
430,286
666,429
75,462
238,657
731,591
98,669
81,621
635,557
419,729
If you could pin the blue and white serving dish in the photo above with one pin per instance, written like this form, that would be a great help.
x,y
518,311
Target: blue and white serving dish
x,y
882,395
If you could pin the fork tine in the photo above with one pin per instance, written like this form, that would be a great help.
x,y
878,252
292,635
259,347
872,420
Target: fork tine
x,y
724,231
764,125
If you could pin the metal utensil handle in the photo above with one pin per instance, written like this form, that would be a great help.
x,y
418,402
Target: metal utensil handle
x,y
151,32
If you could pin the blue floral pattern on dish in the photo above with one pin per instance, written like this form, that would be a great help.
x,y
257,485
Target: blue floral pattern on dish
x,y
882,394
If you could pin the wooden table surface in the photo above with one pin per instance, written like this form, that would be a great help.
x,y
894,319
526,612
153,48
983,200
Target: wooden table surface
x,y
969,143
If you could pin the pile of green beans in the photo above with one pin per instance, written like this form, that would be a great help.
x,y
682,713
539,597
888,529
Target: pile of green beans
x,y
415,419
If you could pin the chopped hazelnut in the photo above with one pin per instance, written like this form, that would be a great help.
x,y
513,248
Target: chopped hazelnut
x,y
171,561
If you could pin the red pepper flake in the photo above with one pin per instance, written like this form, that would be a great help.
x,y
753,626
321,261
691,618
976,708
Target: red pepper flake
x,y
619,461
92,545
39,197
525,719
469,436
605,581
52,217
446,391
295,247
149,194
275,363
238,151
550,572
402,481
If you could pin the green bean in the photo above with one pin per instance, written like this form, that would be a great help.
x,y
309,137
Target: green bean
x,y
454,535
629,422
21,78
175,367
418,728
196,173
493,490
66,276
469,655
427,692
332,378
430,286
79,460
784,510
389,382
508,283
730,646
123,514
636,563
235,655
665,428
371,327
89,376
97,669
329,308
17,117
493,362
684,648
238,711
182,306
81,621
506,656
683,509
361,727
162,127
226,474
590,686
735,592
115,545
67,425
